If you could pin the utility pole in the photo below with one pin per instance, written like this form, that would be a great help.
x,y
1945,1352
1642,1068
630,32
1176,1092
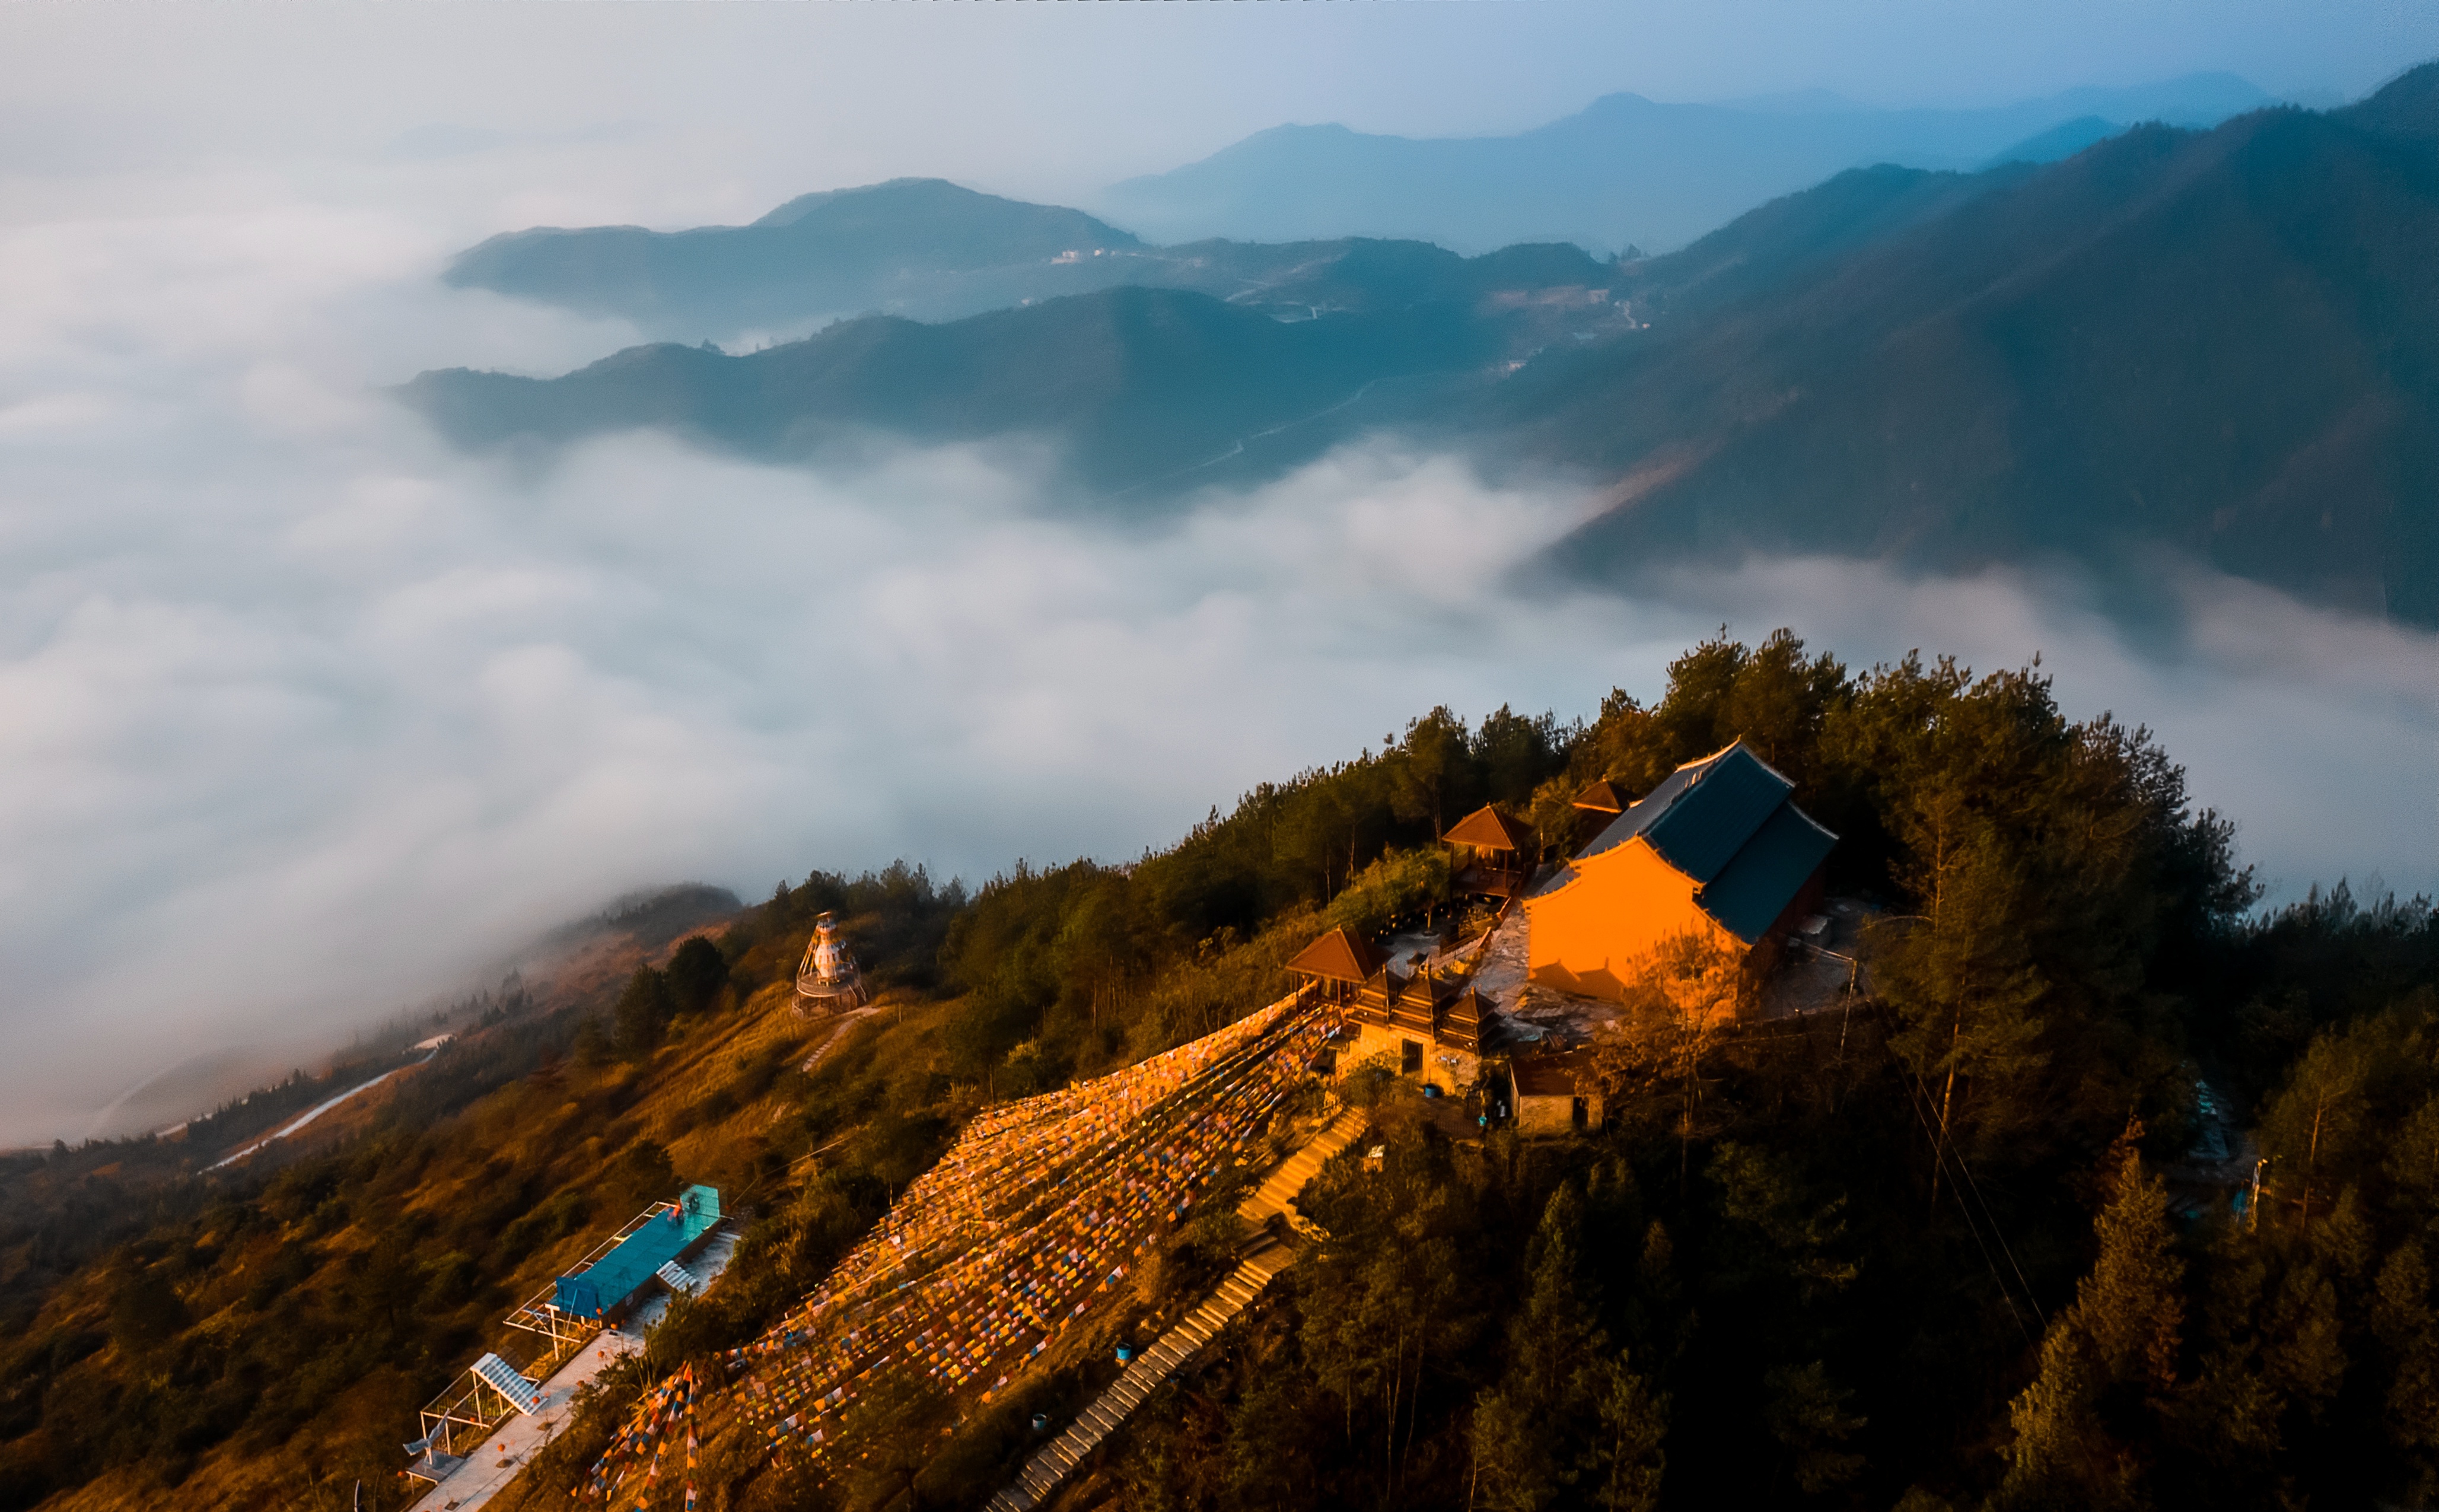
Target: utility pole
x,y
2311,1164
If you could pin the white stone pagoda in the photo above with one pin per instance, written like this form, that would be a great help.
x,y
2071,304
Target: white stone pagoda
x,y
828,982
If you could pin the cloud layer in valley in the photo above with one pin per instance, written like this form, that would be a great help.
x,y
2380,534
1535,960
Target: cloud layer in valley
x,y
304,716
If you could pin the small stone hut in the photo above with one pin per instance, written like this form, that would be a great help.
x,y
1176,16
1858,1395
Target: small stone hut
x,y
1555,1092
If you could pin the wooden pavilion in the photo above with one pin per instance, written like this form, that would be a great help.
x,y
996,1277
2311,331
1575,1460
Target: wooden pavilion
x,y
1337,963
1428,1024
1493,854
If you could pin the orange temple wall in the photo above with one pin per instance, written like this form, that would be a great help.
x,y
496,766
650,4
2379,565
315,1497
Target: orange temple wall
x,y
1589,935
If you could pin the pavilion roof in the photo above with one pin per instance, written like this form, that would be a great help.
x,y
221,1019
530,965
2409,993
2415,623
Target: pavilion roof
x,y
1340,955
1601,797
1486,828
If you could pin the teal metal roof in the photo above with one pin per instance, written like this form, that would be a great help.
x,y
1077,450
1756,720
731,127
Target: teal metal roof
x,y
1764,875
608,1282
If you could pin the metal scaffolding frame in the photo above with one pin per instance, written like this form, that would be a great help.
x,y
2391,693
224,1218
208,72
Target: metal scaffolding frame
x,y
456,1421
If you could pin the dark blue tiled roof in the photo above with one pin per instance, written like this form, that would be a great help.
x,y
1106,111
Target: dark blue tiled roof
x,y
1701,813
1638,816
1725,822
1703,829
1764,875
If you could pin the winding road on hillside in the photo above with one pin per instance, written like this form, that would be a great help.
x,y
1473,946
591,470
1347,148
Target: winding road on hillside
x,y
318,1109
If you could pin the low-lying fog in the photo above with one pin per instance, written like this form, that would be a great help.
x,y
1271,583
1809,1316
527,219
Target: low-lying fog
x,y
304,716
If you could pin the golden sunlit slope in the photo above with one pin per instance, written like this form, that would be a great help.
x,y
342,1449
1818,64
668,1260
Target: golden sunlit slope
x,y
274,1348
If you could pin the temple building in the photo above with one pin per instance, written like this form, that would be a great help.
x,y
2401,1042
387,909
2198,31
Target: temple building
x,y
1715,851
826,980
1423,1025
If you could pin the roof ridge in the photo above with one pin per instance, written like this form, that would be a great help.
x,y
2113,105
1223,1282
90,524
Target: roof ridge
x,y
1750,754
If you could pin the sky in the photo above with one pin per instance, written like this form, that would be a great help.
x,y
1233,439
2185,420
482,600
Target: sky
x,y
305,718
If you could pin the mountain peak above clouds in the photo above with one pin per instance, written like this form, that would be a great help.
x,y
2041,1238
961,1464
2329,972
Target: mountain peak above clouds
x,y
1625,169
840,252
903,210
2222,344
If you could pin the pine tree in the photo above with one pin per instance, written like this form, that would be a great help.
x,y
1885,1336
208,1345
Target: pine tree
x,y
2401,1317
1567,1409
2119,1339
2131,1305
1808,1414
643,1013
1625,1461
1958,972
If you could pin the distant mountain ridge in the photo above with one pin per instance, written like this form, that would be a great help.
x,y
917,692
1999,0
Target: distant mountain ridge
x,y
1623,170
2225,344
839,253
2221,344
1136,387
926,249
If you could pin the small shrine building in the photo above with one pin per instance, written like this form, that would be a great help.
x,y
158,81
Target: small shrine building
x,y
1425,1025
827,980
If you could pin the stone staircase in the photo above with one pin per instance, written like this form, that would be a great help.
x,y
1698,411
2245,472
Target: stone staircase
x,y
1274,1198
1044,1472
1276,1195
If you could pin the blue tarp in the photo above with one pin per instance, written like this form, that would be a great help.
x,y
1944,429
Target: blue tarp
x,y
610,1281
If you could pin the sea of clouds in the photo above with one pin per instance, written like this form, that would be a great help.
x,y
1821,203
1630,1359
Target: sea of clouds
x,y
305,717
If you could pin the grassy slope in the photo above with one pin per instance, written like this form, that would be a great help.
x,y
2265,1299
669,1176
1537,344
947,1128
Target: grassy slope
x,y
559,1125
492,1201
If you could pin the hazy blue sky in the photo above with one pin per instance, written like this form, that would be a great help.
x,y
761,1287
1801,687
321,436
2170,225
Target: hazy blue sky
x,y
1054,97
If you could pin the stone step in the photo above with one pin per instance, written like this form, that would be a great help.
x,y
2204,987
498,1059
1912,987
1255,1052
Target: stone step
x,y
1107,1413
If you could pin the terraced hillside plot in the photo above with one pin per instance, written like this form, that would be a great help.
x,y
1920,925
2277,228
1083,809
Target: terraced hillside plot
x,y
1033,1216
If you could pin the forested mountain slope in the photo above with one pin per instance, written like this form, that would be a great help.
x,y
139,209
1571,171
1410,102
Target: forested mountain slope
x,y
1135,388
2221,343
1956,1245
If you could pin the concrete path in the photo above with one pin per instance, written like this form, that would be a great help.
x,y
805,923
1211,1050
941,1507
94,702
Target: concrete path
x,y
512,1444
844,1023
317,1111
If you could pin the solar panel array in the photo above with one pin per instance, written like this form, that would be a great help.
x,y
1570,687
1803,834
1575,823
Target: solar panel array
x,y
523,1395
